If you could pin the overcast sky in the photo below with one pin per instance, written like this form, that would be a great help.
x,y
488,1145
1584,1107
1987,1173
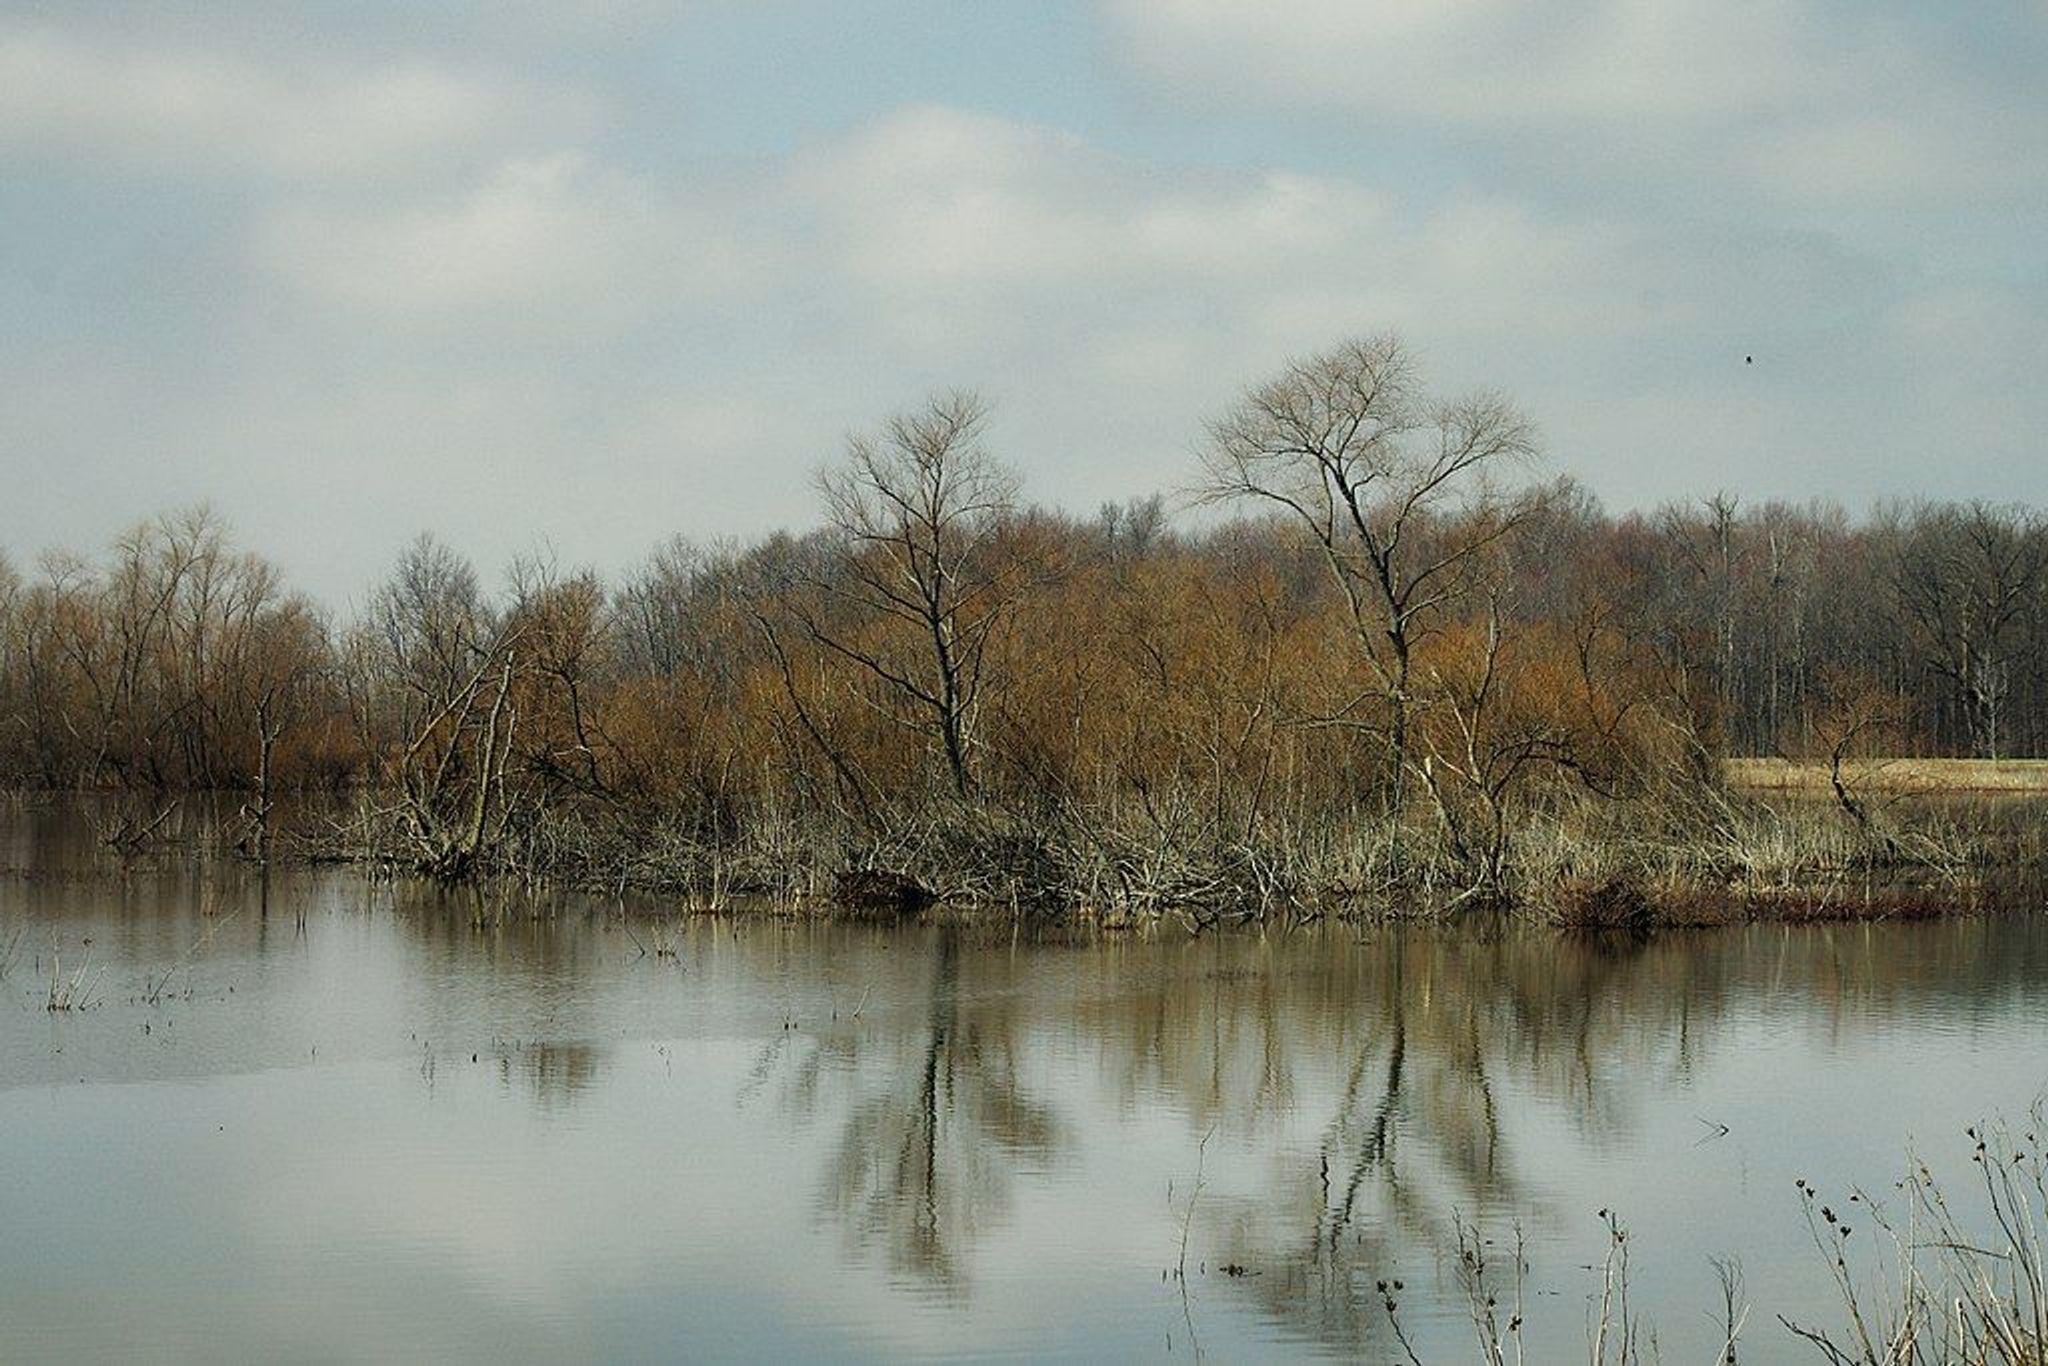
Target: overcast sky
x,y
592,273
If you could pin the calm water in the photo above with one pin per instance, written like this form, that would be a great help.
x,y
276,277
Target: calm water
x,y
392,1132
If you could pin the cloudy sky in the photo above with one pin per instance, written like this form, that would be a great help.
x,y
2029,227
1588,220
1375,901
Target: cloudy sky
x,y
590,273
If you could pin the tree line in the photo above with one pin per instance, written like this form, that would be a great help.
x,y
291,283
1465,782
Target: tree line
x,y
1371,635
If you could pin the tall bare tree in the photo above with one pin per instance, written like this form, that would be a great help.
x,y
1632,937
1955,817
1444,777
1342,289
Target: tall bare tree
x,y
920,508
1396,490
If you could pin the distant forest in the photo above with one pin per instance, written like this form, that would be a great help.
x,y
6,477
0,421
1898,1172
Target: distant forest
x,y
1389,611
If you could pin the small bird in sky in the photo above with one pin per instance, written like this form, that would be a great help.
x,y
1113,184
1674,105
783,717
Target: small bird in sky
x,y
1749,360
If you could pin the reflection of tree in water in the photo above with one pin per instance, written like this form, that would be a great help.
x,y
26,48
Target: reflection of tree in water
x,y
1378,1083
1364,1095
492,946
556,1073
1371,1080
937,1123
1426,1053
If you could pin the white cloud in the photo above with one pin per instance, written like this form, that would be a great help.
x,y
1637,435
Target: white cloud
x,y
1482,60
935,192
938,198
934,217
495,315
1792,99
295,116
928,220
531,341
1883,156
554,240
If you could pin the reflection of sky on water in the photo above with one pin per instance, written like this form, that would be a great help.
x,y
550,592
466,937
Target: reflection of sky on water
x,y
397,1133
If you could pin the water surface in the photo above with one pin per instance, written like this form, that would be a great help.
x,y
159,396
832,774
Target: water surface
x,y
332,1119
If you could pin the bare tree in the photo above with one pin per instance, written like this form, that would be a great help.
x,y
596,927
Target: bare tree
x,y
1134,528
920,508
271,690
656,604
434,671
17,725
1966,579
1705,543
571,645
1393,487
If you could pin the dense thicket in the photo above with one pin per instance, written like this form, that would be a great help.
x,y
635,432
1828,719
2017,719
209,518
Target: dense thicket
x,y
1395,629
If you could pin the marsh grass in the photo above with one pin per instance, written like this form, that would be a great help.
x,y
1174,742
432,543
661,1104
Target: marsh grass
x,y
1726,856
79,991
1927,1278
1496,1303
128,827
1671,850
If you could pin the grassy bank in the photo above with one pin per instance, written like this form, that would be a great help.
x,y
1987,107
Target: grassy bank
x,y
1894,777
1680,852
1688,854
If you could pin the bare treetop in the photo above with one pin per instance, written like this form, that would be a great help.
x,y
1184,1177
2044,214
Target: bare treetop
x,y
924,481
1348,441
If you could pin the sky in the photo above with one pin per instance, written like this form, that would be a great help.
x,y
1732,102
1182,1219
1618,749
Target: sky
x,y
572,278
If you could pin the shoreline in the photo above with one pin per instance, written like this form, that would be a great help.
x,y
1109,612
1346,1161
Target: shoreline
x,y
1629,865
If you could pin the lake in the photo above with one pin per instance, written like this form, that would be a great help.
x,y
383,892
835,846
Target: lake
x,y
325,1117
